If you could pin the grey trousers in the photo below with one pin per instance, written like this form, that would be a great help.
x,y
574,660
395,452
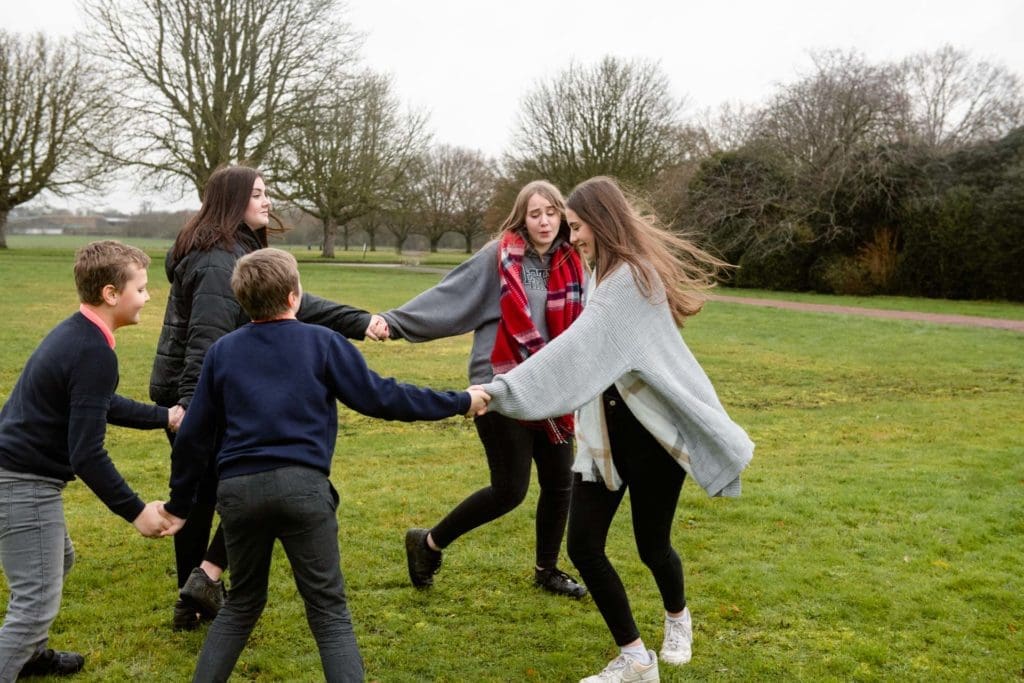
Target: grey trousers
x,y
36,553
298,506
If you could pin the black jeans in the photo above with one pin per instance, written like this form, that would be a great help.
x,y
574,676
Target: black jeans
x,y
192,544
296,505
654,480
511,448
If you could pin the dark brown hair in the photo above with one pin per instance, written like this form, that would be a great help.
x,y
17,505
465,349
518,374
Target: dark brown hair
x,y
262,281
661,261
103,263
225,199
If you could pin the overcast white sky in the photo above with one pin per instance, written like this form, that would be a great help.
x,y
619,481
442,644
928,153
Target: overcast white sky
x,y
468,62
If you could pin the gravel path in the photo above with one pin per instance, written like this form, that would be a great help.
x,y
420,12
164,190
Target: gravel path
x,y
940,318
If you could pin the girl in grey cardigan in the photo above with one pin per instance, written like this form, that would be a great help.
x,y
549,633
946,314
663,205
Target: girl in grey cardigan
x,y
648,415
515,294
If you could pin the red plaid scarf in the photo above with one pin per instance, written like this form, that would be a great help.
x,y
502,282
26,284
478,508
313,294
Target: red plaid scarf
x,y
518,338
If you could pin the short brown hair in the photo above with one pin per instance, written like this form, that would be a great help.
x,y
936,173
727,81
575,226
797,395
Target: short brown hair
x,y
263,280
103,263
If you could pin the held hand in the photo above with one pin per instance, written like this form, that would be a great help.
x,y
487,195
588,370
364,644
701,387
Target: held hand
x,y
480,399
175,523
149,522
175,414
377,329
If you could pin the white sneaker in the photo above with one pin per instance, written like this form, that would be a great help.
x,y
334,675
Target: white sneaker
x,y
627,670
677,648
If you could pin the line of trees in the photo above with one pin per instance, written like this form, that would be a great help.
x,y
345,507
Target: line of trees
x,y
854,177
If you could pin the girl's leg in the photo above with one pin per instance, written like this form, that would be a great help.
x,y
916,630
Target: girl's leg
x,y
590,515
509,447
554,473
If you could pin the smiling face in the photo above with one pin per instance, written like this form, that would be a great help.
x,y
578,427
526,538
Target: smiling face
x,y
542,221
257,213
127,304
581,236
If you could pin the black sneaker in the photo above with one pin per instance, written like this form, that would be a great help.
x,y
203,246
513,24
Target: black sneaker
x,y
53,663
186,616
423,560
205,593
556,581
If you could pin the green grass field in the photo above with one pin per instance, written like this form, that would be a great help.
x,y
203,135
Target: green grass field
x,y
878,538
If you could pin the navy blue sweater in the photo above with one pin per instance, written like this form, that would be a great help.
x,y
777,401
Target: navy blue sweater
x,y
266,398
55,419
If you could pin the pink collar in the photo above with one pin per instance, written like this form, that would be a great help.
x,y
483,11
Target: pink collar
x,y
92,317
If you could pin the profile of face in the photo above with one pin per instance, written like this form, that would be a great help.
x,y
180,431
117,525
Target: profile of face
x,y
127,304
581,236
542,221
257,212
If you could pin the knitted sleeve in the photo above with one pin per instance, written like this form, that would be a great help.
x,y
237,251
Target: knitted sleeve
x,y
598,348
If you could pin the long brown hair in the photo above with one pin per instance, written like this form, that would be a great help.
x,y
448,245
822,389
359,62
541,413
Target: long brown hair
x,y
622,234
225,199
516,219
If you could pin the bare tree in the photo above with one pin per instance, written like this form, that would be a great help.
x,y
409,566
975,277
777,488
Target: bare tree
x,y
348,153
54,114
616,118
832,131
954,100
456,186
210,82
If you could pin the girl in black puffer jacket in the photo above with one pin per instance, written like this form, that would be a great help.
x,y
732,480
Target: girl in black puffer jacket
x,y
232,221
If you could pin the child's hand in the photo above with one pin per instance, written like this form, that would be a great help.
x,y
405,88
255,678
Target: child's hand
x,y
175,523
175,414
377,329
149,522
480,399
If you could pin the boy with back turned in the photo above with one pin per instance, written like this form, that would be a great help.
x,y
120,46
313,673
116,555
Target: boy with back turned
x,y
268,391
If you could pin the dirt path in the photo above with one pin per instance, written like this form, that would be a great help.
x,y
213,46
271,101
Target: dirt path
x,y
940,318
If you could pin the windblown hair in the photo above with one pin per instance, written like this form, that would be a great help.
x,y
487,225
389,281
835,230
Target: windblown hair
x,y
661,261
225,199
103,263
262,281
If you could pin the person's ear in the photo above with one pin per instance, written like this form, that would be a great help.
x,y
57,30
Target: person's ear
x,y
110,295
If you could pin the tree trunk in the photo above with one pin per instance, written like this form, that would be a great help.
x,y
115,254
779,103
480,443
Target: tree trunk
x,y
330,230
469,242
3,229
373,239
433,244
398,243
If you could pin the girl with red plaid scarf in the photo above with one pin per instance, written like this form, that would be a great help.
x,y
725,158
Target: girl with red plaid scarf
x,y
518,292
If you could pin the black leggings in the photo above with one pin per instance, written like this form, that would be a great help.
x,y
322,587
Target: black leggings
x,y
190,544
510,449
654,480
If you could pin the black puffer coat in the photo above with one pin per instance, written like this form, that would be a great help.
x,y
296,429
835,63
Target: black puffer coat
x,y
202,308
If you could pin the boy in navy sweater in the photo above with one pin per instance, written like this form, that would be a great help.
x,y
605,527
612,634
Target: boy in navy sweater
x,y
52,429
268,392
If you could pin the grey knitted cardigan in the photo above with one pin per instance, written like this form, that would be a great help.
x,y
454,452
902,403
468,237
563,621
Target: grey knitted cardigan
x,y
623,337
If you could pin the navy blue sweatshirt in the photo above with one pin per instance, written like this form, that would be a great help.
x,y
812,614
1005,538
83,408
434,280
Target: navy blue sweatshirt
x,y
266,398
55,420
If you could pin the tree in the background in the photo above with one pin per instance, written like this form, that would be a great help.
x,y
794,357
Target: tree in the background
x,y
348,153
54,114
953,100
455,188
211,82
614,118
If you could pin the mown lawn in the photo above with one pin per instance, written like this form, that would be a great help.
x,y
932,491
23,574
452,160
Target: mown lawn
x,y
878,538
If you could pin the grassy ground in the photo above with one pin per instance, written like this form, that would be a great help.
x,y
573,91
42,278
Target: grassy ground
x,y
878,537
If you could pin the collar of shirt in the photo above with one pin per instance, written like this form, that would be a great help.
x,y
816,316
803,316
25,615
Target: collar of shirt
x,y
91,316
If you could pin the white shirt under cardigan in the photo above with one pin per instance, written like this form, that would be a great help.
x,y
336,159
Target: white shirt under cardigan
x,y
625,338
